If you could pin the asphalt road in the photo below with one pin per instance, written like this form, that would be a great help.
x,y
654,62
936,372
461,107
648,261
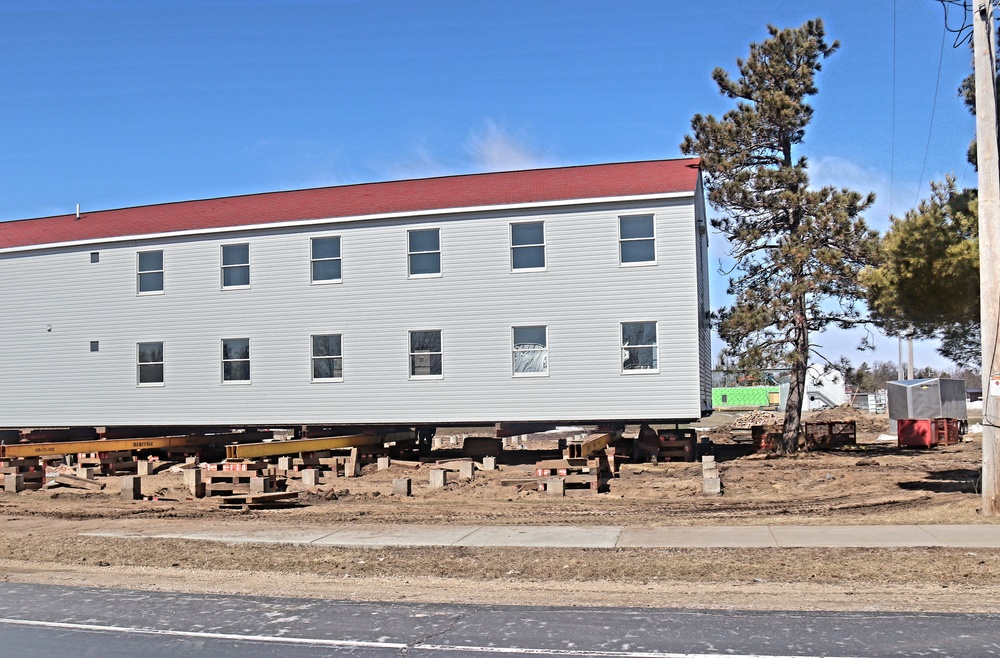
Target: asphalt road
x,y
40,620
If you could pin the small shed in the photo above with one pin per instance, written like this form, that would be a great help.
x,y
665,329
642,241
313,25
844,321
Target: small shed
x,y
926,398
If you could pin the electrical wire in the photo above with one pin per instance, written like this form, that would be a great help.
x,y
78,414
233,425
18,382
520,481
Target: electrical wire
x,y
930,128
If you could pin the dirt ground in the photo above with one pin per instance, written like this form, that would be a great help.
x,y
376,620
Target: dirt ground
x,y
871,483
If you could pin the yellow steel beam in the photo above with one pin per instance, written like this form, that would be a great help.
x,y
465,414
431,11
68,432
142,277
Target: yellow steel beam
x,y
114,445
589,445
275,448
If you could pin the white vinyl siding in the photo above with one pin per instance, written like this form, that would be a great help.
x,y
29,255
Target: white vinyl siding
x,y
236,265
149,272
325,261
582,298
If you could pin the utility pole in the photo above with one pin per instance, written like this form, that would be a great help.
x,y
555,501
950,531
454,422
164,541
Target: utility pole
x,y
983,41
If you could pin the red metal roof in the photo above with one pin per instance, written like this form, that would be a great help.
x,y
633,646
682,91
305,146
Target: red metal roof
x,y
472,190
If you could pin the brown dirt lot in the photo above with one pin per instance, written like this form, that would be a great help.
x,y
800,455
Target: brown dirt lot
x,y
872,483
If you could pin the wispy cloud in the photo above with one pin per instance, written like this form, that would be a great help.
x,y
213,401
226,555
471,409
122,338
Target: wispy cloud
x,y
493,147
892,197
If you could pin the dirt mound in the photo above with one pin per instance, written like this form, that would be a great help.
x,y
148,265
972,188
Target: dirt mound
x,y
866,422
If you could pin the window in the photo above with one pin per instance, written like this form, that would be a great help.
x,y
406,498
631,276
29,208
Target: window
x,y
236,360
425,353
149,271
327,359
95,257
639,353
95,346
527,246
236,266
424,252
636,241
325,260
149,364
531,351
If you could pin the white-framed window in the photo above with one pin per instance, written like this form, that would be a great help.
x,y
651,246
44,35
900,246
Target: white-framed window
x,y
425,354
636,240
149,363
639,348
327,358
236,360
530,350
236,265
423,256
527,246
324,259
149,272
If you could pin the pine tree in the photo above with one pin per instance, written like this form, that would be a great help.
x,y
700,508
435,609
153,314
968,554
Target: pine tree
x,y
798,251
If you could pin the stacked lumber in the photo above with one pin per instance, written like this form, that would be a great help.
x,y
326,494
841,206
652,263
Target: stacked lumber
x,y
29,470
108,463
829,435
572,476
257,501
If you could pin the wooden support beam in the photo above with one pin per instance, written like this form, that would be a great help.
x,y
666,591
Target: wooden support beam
x,y
296,446
116,445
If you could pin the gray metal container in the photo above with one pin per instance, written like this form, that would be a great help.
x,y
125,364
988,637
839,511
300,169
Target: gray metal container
x,y
927,398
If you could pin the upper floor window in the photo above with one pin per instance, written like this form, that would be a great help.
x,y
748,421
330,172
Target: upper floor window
x,y
327,358
149,272
236,360
636,241
325,260
424,252
527,246
531,350
236,265
425,353
639,348
149,363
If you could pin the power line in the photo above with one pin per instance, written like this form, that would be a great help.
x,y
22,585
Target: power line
x,y
930,128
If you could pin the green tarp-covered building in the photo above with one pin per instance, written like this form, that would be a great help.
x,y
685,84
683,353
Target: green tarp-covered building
x,y
744,396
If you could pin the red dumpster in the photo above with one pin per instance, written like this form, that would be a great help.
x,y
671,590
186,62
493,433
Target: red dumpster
x,y
916,433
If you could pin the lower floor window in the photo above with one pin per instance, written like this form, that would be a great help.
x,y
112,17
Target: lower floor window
x,y
327,358
425,353
235,359
149,363
531,350
639,351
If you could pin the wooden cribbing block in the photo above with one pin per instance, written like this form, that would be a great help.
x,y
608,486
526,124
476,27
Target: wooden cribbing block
x,y
401,487
79,483
131,487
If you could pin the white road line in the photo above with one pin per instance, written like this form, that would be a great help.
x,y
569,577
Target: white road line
x,y
378,645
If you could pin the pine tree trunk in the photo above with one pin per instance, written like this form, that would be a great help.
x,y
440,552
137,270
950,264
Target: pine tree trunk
x,y
797,386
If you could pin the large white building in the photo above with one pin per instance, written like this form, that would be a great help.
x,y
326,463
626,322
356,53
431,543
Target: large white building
x,y
564,294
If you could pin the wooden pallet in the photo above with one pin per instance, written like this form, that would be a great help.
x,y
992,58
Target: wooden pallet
x,y
274,500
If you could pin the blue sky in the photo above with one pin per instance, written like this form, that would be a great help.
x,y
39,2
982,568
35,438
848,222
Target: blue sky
x,y
118,103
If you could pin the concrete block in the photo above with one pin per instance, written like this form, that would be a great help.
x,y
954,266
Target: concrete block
x,y
13,482
555,487
144,467
191,460
383,463
466,470
439,478
401,487
261,485
489,463
712,486
707,458
285,463
310,477
85,472
131,487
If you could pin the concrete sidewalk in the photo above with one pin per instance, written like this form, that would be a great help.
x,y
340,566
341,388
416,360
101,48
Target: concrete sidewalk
x,y
860,536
